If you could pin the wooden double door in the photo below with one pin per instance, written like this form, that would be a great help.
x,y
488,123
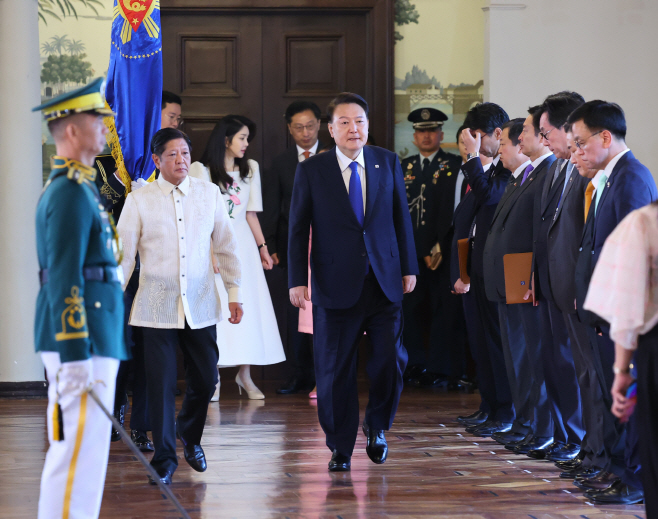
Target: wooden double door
x,y
255,57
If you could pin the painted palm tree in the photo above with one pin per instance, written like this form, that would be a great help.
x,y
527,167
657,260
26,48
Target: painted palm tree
x,y
48,48
76,47
66,7
60,43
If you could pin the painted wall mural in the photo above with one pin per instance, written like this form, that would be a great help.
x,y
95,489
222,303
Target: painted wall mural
x,y
439,63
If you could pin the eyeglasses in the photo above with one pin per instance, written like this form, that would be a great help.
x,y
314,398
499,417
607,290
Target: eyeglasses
x,y
545,135
582,145
300,127
174,119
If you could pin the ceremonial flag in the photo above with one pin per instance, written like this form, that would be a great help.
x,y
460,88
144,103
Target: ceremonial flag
x,y
134,86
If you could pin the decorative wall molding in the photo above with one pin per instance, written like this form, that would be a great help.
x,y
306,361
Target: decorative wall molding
x,y
504,7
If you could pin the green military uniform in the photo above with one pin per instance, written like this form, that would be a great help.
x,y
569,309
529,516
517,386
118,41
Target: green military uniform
x,y
77,317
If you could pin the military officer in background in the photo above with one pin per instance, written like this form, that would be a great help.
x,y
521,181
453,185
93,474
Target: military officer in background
x,y
430,179
79,313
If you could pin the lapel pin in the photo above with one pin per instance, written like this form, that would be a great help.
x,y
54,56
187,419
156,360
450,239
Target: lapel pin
x,y
608,184
376,165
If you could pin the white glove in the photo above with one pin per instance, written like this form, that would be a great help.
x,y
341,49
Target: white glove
x,y
136,184
74,377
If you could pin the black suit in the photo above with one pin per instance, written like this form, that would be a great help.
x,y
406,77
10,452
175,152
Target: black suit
x,y
277,184
512,232
431,197
558,361
477,207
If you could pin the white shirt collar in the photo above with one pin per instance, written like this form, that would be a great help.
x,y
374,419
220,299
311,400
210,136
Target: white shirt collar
x,y
313,150
611,165
430,157
167,187
538,161
521,168
344,161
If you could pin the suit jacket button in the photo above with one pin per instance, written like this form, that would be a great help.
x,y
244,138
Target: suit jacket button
x,y
581,249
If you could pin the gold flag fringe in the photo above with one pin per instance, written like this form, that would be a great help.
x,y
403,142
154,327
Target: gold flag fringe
x,y
115,146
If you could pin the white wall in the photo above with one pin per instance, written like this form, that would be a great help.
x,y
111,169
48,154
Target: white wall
x,y
602,49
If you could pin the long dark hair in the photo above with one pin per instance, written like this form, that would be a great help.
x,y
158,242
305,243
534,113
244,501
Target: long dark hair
x,y
213,155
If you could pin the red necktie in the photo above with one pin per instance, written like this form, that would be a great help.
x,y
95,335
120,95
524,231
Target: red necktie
x,y
306,154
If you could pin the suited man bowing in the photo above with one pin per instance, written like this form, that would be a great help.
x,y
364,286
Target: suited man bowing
x,y
621,185
303,121
512,232
363,260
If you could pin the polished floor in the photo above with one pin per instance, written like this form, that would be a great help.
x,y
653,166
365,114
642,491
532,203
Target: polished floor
x,y
267,459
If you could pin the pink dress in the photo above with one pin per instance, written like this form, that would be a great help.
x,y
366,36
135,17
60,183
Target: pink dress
x,y
306,315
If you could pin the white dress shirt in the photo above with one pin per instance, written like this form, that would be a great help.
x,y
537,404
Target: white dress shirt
x,y
344,165
312,151
174,229
541,159
458,187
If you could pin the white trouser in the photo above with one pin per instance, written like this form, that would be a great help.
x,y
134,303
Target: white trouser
x,y
74,473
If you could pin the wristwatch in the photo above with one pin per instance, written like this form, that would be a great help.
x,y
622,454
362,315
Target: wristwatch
x,y
261,245
472,155
618,371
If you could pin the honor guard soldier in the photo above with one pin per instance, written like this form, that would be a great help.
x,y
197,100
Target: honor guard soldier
x,y
79,313
430,179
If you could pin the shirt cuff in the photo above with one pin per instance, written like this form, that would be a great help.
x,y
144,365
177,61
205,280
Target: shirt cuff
x,y
234,295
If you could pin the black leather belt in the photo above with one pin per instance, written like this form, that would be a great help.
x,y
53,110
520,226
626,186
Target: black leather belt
x,y
109,274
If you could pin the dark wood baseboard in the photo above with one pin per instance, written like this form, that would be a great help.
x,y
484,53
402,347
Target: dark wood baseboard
x,y
23,389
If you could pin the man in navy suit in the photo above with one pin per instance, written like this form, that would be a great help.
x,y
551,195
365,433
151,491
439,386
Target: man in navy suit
x,y
621,185
363,260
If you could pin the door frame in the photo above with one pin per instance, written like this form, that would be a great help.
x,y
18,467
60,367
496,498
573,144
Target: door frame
x,y
380,58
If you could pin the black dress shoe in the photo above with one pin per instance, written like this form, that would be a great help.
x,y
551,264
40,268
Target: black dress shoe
x,y
376,447
412,372
505,438
165,477
141,440
540,454
487,429
475,418
296,385
339,462
526,439
618,494
563,452
538,442
195,457
120,415
601,481
572,472
429,379
581,472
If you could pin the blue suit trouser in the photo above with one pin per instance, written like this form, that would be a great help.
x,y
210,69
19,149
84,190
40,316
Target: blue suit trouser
x,y
337,333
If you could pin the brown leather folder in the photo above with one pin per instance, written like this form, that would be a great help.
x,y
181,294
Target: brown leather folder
x,y
462,250
518,268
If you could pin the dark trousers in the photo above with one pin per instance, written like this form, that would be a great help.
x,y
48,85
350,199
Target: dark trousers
x,y
478,346
337,334
560,376
489,356
200,354
594,411
646,413
520,332
447,334
614,432
139,419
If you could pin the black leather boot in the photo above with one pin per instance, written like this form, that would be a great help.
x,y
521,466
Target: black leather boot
x,y
120,415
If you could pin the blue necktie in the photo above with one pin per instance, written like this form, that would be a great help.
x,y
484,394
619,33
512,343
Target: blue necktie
x,y
356,193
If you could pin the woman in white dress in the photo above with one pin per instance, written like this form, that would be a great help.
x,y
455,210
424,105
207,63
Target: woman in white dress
x,y
256,340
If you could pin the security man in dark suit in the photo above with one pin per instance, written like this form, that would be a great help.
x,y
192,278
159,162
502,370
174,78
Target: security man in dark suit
x,y
488,182
303,120
621,185
430,178
560,371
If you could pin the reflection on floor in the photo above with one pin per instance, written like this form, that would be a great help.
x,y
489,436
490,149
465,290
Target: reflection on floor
x,y
267,459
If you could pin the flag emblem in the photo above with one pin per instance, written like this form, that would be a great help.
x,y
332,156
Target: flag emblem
x,y
134,14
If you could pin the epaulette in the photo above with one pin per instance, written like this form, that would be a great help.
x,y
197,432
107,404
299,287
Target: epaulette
x,y
75,170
